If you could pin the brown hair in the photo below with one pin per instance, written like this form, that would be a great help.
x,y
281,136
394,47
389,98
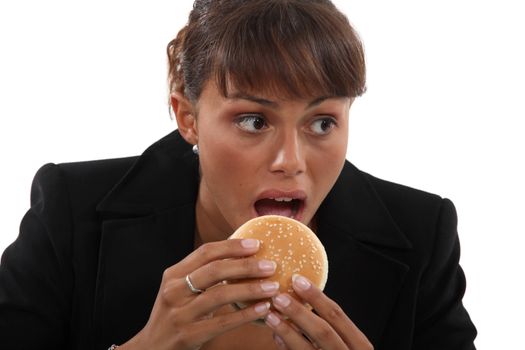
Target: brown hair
x,y
289,48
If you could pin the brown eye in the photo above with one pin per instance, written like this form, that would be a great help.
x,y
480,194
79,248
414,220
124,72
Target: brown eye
x,y
322,126
252,123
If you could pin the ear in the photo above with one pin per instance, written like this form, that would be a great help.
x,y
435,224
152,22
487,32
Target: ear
x,y
185,117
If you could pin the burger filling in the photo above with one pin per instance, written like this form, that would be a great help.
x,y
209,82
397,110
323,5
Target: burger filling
x,y
278,206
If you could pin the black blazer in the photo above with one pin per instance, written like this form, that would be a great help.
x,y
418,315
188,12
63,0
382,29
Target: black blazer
x,y
87,265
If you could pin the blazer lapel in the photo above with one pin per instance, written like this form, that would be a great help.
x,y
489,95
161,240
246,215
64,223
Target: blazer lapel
x,y
148,224
361,240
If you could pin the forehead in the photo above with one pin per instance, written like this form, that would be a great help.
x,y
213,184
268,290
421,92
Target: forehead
x,y
276,102
264,94
273,89
212,95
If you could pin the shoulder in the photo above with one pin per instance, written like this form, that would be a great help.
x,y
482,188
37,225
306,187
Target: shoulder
x,y
405,202
78,180
103,170
427,219
85,185
365,192
104,173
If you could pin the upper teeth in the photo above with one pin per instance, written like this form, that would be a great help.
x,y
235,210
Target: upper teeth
x,y
283,199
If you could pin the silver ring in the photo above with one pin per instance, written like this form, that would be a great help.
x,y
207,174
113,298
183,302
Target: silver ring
x,y
191,287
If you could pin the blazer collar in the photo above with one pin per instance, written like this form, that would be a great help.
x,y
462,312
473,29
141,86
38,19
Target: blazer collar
x,y
353,206
165,176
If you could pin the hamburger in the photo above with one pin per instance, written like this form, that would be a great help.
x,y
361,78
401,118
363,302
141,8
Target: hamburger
x,y
292,245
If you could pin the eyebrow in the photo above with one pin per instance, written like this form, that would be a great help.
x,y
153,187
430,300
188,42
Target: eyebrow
x,y
273,104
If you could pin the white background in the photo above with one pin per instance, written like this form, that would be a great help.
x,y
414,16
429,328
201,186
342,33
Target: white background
x,y
87,80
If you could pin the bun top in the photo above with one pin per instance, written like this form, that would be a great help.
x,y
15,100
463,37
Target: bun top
x,y
292,245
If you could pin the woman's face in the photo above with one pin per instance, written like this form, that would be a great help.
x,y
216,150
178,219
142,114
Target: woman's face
x,y
265,155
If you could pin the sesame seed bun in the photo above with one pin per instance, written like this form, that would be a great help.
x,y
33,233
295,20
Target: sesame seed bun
x,y
292,245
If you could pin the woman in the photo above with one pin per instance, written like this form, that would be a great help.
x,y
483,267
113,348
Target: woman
x,y
133,251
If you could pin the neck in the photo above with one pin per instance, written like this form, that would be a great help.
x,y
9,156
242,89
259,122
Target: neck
x,y
210,226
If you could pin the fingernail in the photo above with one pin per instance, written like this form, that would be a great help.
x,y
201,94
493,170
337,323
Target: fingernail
x,y
250,243
278,340
282,300
300,282
272,319
270,286
267,265
262,308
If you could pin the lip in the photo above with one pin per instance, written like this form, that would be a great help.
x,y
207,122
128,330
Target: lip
x,y
275,193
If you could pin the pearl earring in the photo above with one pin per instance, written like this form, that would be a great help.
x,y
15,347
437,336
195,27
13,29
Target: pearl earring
x,y
195,149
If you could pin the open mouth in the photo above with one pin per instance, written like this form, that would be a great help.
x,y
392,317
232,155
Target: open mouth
x,y
284,206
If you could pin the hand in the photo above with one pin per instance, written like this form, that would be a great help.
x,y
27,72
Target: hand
x,y
182,319
330,329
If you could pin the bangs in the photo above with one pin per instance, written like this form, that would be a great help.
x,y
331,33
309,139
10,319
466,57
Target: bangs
x,y
291,49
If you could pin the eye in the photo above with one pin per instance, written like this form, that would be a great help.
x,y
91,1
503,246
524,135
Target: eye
x,y
252,123
323,126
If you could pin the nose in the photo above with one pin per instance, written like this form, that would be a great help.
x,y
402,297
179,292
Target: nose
x,y
289,155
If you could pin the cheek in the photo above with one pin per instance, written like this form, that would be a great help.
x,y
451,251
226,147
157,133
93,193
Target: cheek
x,y
339,149
225,165
326,164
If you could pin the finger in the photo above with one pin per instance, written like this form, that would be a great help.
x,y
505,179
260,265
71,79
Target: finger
x,y
230,269
174,292
226,294
289,336
279,341
230,248
205,330
317,329
330,311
